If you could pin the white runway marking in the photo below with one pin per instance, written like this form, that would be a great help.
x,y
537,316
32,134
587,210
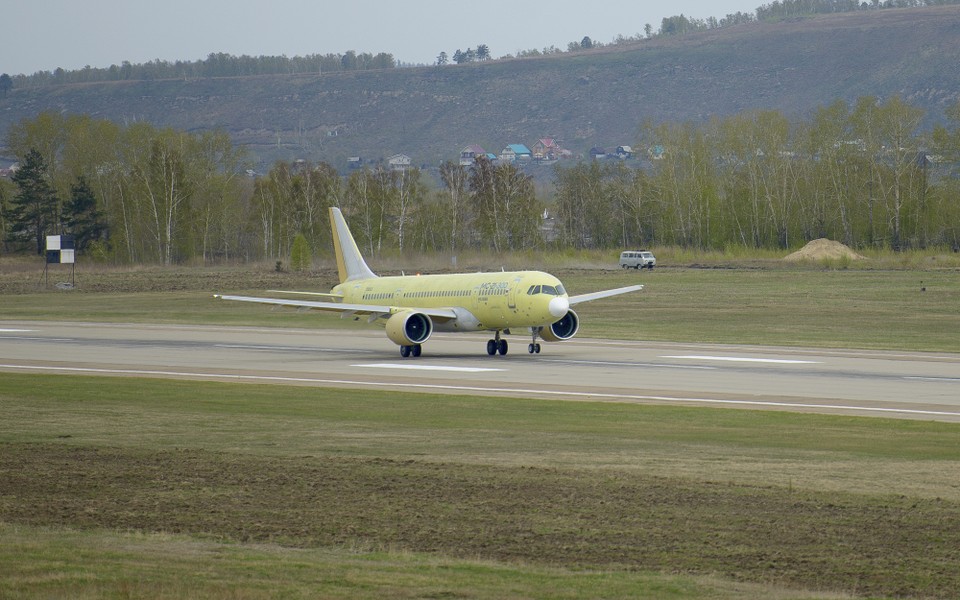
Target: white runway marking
x,y
294,348
539,393
414,367
37,339
947,379
16,330
779,361
604,363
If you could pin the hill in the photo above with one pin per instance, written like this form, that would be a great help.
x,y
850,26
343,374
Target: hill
x,y
597,97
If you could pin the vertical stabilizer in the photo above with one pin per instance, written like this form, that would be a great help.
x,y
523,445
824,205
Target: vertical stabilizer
x,y
350,264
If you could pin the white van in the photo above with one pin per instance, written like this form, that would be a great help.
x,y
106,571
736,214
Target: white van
x,y
637,259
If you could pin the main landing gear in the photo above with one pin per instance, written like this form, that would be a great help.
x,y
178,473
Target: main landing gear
x,y
413,351
497,345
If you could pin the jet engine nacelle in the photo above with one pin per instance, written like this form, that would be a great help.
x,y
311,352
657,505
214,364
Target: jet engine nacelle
x,y
564,329
409,328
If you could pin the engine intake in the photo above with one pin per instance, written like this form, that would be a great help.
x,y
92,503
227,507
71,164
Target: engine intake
x,y
564,329
409,328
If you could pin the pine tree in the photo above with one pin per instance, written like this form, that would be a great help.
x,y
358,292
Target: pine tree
x,y
81,216
33,211
300,256
6,84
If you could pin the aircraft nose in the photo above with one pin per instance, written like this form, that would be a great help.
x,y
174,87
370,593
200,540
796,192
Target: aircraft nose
x,y
558,306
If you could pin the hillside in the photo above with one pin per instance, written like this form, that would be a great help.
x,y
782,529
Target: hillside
x,y
598,97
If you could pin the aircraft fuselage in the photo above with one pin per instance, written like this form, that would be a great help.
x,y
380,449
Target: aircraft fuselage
x,y
492,301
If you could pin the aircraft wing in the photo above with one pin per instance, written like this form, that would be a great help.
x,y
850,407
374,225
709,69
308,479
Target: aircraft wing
x,y
319,294
604,294
374,310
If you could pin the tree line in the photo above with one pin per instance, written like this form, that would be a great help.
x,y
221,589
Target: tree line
x,y
216,64
782,9
860,174
863,174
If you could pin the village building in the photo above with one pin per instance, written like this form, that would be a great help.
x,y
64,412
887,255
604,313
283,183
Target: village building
x,y
399,162
515,153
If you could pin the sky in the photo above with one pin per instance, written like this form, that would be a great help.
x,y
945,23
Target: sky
x,y
42,35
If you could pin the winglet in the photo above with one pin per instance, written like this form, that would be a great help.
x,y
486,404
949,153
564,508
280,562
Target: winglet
x,y
350,263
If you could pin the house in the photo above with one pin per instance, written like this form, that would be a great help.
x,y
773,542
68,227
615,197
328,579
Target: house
x,y
354,162
624,152
469,154
398,162
546,149
598,152
514,153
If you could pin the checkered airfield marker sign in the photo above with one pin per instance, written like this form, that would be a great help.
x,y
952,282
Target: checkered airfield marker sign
x,y
61,250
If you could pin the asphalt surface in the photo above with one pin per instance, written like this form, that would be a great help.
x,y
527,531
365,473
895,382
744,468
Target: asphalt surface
x,y
856,382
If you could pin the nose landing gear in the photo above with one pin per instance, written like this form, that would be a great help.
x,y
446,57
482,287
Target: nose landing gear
x,y
534,347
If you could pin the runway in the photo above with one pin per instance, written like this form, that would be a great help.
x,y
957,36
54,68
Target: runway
x,y
856,382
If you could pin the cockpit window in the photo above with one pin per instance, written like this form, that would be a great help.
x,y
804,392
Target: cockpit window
x,y
546,289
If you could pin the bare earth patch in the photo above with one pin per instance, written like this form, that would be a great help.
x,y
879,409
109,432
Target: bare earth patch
x,y
822,249
876,545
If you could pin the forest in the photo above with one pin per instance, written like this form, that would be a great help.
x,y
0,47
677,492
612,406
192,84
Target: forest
x,y
863,174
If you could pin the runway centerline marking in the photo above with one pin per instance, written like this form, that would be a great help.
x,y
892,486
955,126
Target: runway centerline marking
x,y
428,368
17,330
539,393
777,361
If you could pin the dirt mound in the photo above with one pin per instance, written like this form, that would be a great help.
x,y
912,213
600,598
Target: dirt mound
x,y
824,248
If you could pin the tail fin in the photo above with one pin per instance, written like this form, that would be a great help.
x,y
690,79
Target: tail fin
x,y
350,263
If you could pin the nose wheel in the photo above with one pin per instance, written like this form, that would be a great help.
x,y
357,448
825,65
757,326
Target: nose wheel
x,y
534,347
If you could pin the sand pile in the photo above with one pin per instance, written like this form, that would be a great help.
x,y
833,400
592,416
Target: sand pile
x,y
824,248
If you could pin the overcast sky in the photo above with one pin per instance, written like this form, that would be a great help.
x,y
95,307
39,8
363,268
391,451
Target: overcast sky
x,y
41,35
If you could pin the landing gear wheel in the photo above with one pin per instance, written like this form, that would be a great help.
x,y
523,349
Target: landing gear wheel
x,y
404,351
416,350
491,347
534,347
502,347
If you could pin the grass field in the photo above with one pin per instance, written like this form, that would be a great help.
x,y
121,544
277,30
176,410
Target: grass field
x,y
119,488
892,308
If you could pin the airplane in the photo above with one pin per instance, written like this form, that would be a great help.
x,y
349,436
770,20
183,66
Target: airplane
x,y
412,307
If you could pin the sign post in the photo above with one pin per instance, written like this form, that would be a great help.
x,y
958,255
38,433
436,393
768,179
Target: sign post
x,y
61,250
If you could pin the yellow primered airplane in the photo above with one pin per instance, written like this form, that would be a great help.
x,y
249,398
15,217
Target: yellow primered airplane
x,y
412,307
